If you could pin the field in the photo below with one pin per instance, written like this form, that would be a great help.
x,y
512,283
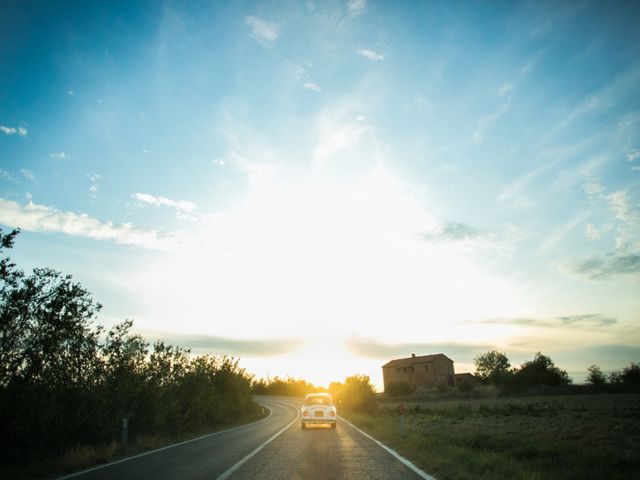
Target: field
x,y
552,437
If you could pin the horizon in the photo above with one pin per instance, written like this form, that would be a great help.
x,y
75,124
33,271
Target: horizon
x,y
351,181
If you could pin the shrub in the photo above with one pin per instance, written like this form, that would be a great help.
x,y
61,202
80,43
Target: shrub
x,y
396,389
356,394
541,371
595,376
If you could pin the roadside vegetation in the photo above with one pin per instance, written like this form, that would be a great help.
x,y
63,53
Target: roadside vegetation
x,y
356,393
516,423
66,384
550,437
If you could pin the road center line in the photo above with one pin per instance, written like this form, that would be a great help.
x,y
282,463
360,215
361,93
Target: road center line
x,y
235,467
399,457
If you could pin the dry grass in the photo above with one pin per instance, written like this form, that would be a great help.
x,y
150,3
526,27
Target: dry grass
x,y
586,436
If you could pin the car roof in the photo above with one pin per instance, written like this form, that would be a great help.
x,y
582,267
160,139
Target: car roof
x,y
317,395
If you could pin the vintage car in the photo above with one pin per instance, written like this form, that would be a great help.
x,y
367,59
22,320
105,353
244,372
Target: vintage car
x,y
318,409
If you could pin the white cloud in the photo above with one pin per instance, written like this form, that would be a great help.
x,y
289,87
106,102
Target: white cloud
x,y
6,175
343,135
485,122
158,201
21,131
370,54
40,218
59,155
592,232
263,31
592,187
71,93
312,86
633,155
356,7
505,89
28,174
628,228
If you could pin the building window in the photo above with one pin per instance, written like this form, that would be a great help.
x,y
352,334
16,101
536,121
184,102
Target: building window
x,y
411,369
426,367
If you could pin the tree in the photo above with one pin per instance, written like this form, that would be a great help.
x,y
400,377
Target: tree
x,y
595,376
356,393
493,367
541,371
631,374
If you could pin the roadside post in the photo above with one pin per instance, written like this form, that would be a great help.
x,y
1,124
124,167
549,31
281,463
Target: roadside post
x,y
125,432
401,419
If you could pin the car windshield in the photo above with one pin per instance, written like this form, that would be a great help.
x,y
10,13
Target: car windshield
x,y
318,400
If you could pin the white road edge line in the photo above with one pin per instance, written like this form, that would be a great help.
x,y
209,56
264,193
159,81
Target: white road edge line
x,y
399,457
99,467
235,467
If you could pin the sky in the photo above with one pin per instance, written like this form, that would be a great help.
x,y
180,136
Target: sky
x,y
319,187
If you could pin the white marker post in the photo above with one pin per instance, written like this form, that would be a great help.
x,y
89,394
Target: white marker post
x,y
125,432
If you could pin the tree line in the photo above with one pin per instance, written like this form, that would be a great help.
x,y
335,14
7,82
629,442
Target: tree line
x,y
356,393
66,381
494,368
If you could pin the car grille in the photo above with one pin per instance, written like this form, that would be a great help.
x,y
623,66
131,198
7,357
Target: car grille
x,y
319,413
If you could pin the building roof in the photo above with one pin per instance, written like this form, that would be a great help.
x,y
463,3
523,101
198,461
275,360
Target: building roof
x,y
406,362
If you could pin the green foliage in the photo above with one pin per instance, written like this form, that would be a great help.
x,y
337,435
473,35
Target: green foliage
x,y
595,376
493,367
396,389
286,387
541,371
64,383
355,394
628,377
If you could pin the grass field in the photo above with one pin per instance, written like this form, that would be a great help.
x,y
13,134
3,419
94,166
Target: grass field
x,y
554,437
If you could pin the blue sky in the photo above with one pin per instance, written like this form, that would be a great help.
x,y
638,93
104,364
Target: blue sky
x,y
278,180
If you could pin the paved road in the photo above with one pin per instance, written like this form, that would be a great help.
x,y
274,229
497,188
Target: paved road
x,y
315,453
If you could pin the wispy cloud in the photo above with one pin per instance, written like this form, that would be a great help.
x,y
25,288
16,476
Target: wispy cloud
x,y
586,320
160,201
312,86
386,351
370,54
604,267
485,122
471,237
263,31
356,7
40,218
7,176
93,189
633,155
228,346
21,131
505,89
59,155
28,174
628,217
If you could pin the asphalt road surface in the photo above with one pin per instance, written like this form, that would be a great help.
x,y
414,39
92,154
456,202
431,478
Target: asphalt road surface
x,y
273,448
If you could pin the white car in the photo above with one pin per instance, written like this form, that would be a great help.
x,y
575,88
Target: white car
x,y
318,408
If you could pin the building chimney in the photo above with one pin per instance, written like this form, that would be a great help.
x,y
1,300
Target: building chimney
x,y
413,355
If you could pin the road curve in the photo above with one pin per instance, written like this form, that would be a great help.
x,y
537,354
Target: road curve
x,y
273,448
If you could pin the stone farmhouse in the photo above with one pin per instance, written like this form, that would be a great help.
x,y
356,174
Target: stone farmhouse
x,y
420,372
